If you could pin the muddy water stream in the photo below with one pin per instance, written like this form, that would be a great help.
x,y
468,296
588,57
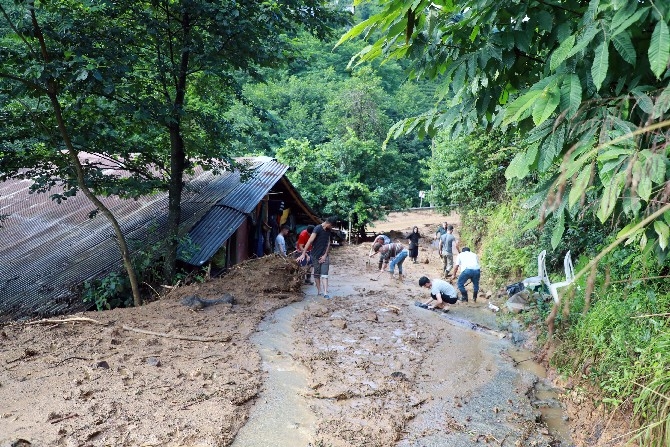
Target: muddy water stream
x,y
544,397
281,416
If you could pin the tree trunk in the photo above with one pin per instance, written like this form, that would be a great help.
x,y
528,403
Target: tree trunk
x,y
52,93
177,157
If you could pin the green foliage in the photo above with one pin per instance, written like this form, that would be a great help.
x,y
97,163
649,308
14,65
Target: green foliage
x,y
585,84
469,171
350,177
507,248
111,291
621,344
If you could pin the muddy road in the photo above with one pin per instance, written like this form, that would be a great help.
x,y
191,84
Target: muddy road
x,y
281,367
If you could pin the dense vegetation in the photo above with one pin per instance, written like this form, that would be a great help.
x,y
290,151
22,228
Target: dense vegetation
x,y
570,101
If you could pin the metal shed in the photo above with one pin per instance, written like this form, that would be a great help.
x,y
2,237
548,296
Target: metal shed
x,y
48,250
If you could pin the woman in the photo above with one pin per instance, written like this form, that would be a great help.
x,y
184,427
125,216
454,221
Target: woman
x,y
413,239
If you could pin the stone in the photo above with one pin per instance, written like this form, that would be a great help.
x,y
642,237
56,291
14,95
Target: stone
x,y
338,323
371,316
518,302
153,361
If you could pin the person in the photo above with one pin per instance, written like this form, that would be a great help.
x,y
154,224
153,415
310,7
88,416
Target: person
x,y
319,242
413,240
446,250
442,294
280,241
441,230
396,253
469,265
380,240
303,237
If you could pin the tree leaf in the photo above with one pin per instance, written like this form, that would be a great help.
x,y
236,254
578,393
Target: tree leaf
x,y
624,47
600,64
644,188
584,40
561,53
663,232
630,20
610,197
521,107
559,229
643,101
519,167
579,185
659,48
546,104
571,94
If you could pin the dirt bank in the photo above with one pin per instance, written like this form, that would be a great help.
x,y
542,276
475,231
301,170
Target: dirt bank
x,y
85,384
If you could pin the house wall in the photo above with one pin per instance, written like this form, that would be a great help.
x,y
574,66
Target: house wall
x,y
242,242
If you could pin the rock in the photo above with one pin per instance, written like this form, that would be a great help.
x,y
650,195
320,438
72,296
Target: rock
x,y
338,323
102,364
153,361
371,316
518,302
518,337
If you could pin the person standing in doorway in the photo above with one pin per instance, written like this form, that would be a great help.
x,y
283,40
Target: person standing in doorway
x,y
413,240
280,241
302,241
469,265
446,248
319,242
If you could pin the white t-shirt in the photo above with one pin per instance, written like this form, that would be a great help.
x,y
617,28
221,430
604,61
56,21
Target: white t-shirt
x,y
468,260
280,245
438,286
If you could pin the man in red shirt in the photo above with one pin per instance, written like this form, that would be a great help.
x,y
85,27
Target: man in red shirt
x,y
303,237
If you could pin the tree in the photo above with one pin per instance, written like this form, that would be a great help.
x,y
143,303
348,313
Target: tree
x,y
43,72
586,83
144,71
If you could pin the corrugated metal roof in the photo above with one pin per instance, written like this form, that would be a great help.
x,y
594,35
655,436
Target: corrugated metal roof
x,y
246,195
47,250
230,211
210,234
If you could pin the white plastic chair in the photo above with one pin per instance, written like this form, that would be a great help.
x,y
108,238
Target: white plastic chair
x,y
569,278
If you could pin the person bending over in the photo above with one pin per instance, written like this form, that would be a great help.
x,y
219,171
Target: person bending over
x,y
469,265
442,294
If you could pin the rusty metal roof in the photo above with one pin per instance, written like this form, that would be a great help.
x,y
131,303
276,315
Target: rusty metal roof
x,y
47,250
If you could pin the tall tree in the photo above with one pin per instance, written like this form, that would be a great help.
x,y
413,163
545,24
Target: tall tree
x,y
144,72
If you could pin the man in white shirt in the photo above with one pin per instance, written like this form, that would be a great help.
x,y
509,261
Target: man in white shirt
x,y
468,263
441,294
280,242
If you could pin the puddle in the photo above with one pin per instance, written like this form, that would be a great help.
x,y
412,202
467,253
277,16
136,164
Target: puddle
x,y
281,416
544,397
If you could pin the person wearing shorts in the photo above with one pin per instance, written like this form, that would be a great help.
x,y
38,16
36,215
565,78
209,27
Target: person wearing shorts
x,y
319,242
442,294
380,240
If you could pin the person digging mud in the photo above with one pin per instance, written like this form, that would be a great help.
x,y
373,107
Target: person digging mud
x,y
442,294
302,240
319,242
380,240
469,265
395,253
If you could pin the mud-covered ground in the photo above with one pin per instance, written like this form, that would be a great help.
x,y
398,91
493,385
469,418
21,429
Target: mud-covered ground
x,y
80,383
280,368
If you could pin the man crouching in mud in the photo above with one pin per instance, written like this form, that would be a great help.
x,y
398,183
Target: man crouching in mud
x,y
441,294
